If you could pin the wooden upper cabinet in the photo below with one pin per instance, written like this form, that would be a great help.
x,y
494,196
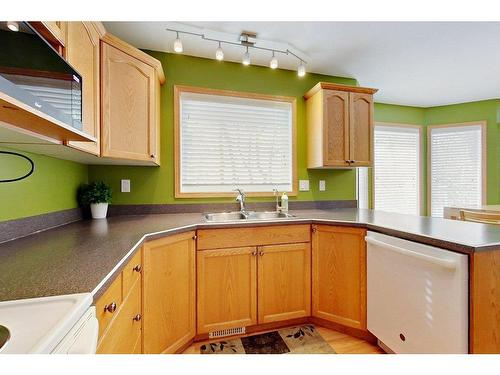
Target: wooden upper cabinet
x,y
339,126
336,128
130,105
82,52
339,275
284,282
361,129
58,29
54,32
227,288
169,293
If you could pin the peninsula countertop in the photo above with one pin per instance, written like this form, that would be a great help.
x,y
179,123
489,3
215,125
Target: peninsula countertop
x,y
84,256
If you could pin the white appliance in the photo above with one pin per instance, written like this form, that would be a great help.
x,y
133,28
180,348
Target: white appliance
x,y
62,324
417,296
82,338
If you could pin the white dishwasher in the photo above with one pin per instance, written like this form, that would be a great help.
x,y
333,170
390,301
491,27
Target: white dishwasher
x,y
417,296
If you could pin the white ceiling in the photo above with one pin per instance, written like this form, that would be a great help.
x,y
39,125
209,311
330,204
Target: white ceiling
x,y
412,63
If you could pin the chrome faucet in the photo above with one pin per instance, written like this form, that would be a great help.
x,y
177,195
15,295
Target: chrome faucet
x,y
241,198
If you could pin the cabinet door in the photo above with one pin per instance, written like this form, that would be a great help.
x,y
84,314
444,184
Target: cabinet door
x,y
284,282
335,128
339,275
361,129
124,333
57,29
227,288
82,52
169,293
129,106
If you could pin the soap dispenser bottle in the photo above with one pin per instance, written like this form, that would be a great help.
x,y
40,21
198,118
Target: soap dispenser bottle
x,y
284,203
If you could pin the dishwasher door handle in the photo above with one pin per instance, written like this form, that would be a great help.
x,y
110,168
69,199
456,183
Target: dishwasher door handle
x,y
449,264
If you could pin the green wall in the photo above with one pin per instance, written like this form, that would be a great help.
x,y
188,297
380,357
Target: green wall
x,y
156,184
51,187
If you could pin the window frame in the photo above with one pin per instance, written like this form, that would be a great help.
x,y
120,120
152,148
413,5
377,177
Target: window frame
x,y
179,89
484,165
421,203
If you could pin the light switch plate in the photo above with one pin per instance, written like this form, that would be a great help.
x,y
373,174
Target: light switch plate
x,y
303,185
322,185
125,186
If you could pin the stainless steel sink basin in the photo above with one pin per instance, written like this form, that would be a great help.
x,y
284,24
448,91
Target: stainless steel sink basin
x,y
269,215
224,216
235,216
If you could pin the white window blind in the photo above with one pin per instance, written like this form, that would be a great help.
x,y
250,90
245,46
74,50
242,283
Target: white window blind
x,y
228,142
362,184
455,167
397,169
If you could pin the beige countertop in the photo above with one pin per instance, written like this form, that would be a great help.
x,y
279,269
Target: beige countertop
x,y
84,256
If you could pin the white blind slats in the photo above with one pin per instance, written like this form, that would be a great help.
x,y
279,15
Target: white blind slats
x,y
456,167
229,142
362,190
396,169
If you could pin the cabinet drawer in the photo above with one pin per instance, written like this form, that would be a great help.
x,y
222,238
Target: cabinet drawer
x,y
132,273
124,333
104,306
255,236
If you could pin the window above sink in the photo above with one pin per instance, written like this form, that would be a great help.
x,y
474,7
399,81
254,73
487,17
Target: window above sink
x,y
227,139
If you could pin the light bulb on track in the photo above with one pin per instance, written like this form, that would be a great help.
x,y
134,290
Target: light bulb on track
x,y
273,64
301,70
246,58
178,44
219,53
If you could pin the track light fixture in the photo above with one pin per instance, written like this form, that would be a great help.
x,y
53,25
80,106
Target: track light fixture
x,y
246,58
247,40
301,70
178,44
219,53
273,64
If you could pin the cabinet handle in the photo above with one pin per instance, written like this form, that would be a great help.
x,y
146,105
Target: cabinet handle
x,y
110,308
261,253
314,229
138,268
152,156
195,237
138,317
254,253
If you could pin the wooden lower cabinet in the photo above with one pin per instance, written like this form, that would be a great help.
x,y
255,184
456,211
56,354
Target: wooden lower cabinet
x,y
339,275
119,312
227,288
124,333
169,293
284,282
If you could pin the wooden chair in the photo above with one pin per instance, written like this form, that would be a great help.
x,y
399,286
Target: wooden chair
x,y
480,217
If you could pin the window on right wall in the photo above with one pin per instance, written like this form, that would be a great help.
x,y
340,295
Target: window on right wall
x,y
456,166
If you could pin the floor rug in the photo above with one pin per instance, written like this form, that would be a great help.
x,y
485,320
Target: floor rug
x,y
296,340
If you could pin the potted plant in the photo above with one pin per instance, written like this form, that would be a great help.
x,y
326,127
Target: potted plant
x,y
98,196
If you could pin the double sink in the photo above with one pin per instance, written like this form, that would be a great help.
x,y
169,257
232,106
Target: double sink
x,y
252,215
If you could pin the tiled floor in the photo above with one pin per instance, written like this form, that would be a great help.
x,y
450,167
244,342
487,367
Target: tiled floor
x,y
340,342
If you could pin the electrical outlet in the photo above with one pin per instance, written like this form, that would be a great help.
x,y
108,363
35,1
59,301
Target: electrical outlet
x,y
125,186
303,185
322,185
